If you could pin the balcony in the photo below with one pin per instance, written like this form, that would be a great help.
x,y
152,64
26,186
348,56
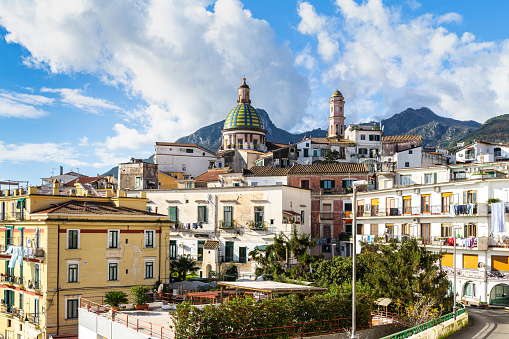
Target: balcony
x,y
385,167
258,225
228,224
29,252
371,211
187,226
11,280
327,215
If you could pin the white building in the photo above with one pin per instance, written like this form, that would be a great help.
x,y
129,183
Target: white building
x,y
184,158
481,151
431,205
223,224
368,140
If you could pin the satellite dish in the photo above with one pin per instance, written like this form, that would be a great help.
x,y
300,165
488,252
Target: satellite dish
x,y
480,265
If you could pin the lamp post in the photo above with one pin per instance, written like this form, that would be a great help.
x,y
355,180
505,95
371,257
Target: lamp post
x,y
454,265
354,254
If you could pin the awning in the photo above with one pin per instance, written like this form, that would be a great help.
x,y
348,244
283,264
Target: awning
x,y
261,247
383,302
291,213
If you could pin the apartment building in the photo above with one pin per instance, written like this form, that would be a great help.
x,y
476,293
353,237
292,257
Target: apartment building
x,y
219,225
482,152
58,248
434,204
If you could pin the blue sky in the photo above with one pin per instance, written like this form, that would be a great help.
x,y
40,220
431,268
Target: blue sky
x,y
87,85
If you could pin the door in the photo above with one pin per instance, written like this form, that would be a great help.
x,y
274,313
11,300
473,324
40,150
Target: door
x,y
390,206
228,253
426,233
446,201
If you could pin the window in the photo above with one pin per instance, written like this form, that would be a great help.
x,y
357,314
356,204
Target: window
x,y
149,270
426,203
373,229
112,271
323,152
470,197
36,277
374,207
200,249
242,255
470,261
446,202
21,301
302,220
21,236
292,150
228,252
407,205
470,230
363,137
327,184
2,210
374,137
500,263
173,213
407,164
149,238
202,213
406,180
258,217
72,273
73,239
137,182
390,229
36,311
446,230
72,309
306,152
363,151
113,238
326,231
410,152
189,150
428,178
469,289
240,143
228,216
173,249
348,229
236,184
315,152
448,260
304,184
360,229
8,236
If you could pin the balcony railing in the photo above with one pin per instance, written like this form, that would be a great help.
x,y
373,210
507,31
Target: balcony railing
x,y
37,252
228,224
188,226
11,279
371,211
34,285
327,215
258,225
385,167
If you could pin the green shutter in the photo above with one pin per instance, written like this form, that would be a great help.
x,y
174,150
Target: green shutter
x,y
435,175
322,183
172,213
333,184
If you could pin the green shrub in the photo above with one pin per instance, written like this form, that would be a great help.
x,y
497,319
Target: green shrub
x,y
115,298
140,294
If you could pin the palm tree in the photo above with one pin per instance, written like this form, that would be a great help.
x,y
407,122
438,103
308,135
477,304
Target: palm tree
x,y
182,265
115,298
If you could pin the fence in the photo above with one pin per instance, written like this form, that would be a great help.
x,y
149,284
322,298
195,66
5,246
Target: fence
x,y
423,327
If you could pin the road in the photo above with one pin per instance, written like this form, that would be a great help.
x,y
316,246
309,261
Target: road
x,y
490,323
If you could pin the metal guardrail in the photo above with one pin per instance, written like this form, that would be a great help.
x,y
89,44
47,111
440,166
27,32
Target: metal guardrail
x,y
425,326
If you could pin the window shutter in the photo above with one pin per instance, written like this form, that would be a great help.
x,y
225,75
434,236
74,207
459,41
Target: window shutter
x,y
465,199
435,175
333,183
322,183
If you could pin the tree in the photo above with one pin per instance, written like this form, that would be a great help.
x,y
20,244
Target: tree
x,y
331,157
406,273
115,298
337,271
182,265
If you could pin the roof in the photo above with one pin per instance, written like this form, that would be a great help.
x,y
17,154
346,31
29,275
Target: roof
x,y
243,115
212,174
267,171
271,146
81,180
243,85
211,244
271,287
336,94
291,213
180,144
94,207
329,168
401,138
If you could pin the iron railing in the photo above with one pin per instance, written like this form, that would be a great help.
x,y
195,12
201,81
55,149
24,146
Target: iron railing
x,y
258,225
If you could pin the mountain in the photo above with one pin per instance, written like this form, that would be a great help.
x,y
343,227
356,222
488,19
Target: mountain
x,y
493,130
210,136
436,131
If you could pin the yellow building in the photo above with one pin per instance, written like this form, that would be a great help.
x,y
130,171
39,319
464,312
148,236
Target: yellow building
x,y
57,249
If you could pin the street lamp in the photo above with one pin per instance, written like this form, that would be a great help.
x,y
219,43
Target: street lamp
x,y
454,264
355,184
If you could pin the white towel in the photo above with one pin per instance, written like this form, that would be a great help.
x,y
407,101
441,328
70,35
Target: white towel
x,y
497,217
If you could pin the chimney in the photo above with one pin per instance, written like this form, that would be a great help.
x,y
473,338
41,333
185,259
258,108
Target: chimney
x,y
61,170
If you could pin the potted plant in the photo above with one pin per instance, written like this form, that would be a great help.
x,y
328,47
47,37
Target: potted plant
x,y
115,298
140,296
482,304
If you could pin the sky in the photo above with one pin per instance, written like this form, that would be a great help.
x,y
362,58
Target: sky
x,y
86,84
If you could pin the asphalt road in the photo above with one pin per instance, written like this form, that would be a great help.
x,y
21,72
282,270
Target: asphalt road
x,y
490,323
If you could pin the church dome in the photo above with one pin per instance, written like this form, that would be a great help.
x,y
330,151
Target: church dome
x,y
337,94
243,115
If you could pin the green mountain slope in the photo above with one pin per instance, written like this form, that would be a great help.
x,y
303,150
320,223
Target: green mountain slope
x,y
494,130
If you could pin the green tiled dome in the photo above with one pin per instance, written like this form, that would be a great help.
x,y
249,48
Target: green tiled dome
x,y
243,115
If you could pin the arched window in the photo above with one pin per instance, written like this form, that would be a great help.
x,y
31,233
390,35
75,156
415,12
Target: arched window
x,y
500,295
469,289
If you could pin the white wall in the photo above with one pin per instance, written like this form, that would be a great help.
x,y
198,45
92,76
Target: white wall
x,y
176,159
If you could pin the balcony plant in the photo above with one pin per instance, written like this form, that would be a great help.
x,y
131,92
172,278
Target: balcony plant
x,y
140,296
115,298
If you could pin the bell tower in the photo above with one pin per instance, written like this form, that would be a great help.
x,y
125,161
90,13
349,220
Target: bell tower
x,y
244,93
337,116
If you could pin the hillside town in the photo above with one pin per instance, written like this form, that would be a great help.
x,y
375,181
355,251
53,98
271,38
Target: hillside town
x,y
74,238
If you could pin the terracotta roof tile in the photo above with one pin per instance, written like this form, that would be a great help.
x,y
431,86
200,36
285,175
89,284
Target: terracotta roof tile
x,y
81,180
267,171
212,174
329,168
401,138
211,244
94,207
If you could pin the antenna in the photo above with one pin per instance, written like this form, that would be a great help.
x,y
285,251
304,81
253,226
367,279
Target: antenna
x,y
52,171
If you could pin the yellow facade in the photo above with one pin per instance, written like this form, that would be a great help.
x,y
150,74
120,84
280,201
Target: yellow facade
x,y
73,246
168,181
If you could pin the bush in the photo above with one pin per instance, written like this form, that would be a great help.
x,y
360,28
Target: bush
x,y
270,318
140,294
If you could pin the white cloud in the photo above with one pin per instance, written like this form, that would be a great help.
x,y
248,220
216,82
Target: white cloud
x,y
83,141
44,152
75,98
20,105
413,4
387,64
182,57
